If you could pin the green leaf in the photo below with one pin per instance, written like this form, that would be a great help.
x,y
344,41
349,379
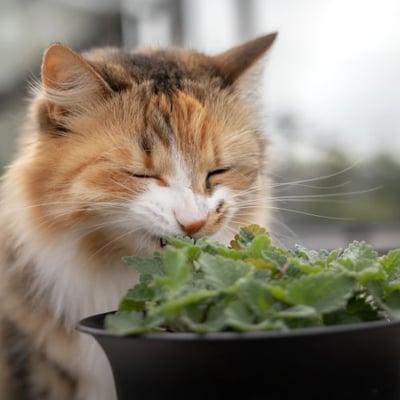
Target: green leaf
x,y
275,256
246,235
358,309
149,266
299,311
340,317
279,292
222,273
175,305
141,292
362,308
361,261
392,304
307,256
359,256
208,317
176,265
180,242
391,263
131,305
239,317
325,292
136,298
203,286
257,297
131,323
229,253
258,245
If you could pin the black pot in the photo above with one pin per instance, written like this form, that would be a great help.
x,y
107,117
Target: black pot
x,y
360,361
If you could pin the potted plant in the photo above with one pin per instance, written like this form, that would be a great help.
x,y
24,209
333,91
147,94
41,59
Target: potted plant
x,y
253,321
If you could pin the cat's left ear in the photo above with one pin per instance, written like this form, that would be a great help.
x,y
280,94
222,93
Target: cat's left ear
x,y
70,83
241,60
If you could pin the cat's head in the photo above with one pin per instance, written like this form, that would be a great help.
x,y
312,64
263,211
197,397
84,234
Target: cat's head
x,y
130,146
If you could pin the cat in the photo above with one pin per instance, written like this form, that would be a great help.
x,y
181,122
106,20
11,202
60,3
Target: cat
x,y
119,148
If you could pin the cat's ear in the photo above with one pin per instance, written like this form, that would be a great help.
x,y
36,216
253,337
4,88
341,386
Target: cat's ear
x,y
241,60
69,81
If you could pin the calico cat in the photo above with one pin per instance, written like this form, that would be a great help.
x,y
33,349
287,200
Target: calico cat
x,y
119,149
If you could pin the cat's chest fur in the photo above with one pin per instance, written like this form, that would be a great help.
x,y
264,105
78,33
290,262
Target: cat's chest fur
x,y
72,292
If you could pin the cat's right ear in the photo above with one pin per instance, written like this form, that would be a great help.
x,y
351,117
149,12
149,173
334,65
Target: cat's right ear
x,y
70,83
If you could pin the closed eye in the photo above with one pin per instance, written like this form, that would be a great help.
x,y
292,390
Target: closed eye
x,y
217,172
210,182
140,176
144,176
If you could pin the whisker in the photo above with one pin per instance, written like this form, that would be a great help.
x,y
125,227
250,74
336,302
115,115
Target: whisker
x,y
319,178
125,234
319,187
327,195
311,214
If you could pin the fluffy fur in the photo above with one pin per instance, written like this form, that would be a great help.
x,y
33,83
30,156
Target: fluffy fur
x,y
119,148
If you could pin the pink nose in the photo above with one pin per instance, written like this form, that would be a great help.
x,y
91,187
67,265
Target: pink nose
x,y
193,227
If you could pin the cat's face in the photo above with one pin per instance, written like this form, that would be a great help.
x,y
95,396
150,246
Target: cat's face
x,y
172,154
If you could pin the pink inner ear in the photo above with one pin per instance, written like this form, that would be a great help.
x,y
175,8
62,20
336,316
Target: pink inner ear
x,y
234,62
64,69
60,65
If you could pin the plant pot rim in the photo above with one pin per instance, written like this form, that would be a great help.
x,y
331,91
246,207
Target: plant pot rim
x,y
93,325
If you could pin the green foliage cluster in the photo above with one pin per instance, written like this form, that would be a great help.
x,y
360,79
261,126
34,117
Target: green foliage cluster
x,y
252,285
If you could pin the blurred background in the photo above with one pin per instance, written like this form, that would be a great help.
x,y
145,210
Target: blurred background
x,y
331,94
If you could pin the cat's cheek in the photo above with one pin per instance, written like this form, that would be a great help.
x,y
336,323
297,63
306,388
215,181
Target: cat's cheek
x,y
152,211
219,198
221,209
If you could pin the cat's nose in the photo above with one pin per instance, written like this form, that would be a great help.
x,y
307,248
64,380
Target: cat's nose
x,y
190,212
192,227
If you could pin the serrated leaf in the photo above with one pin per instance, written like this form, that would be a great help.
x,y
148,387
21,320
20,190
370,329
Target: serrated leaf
x,y
135,299
391,265
246,235
359,256
148,266
174,306
274,256
179,242
392,303
239,317
203,286
362,308
258,245
238,314
325,292
208,318
222,273
361,261
176,266
141,292
131,323
257,298
309,256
